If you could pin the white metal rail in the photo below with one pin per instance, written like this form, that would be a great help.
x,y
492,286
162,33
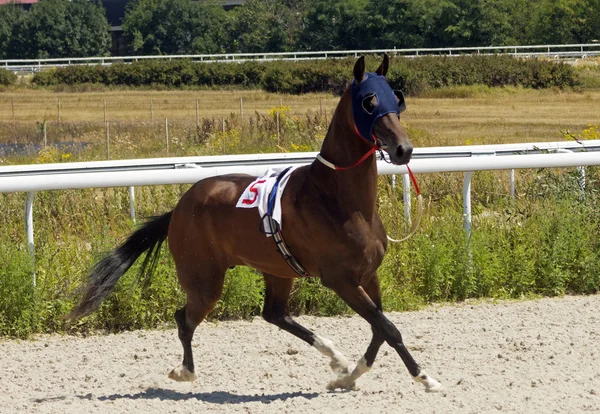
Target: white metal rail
x,y
129,173
278,158
571,51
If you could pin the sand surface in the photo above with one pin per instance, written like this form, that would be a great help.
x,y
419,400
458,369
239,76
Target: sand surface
x,y
528,357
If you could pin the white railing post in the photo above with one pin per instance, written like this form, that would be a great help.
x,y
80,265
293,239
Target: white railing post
x,y
467,219
512,183
132,203
467,203
29,229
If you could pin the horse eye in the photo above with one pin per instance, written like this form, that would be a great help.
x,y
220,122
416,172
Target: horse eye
x,y
400,99
369,103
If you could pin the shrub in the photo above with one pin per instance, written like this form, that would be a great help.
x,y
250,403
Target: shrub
x,y
414,76
7,77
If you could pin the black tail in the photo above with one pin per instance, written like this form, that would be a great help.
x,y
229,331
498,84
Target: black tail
x,y
107,272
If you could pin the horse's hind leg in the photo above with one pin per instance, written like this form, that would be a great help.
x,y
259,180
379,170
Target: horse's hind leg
x,y
277,294
203,292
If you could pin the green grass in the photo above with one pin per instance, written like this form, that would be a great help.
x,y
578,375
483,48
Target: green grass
x,y
538,245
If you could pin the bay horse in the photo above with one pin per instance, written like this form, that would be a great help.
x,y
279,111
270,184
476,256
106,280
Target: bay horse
x,y
332,228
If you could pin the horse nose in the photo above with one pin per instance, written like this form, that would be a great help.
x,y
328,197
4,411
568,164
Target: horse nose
x,y
403,153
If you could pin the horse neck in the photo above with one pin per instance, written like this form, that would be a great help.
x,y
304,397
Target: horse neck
x,y
355,188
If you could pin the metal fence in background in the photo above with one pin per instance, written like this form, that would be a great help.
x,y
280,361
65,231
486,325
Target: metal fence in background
x,y
572,51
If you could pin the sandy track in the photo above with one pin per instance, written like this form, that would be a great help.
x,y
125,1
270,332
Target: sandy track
x,y
536,356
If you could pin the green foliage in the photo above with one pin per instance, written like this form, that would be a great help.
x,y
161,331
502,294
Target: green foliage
x,y
565,21
17,295
56,28
263,26
60,28
156,27
311,297
545,244
334,24
411,75
588,76
369,24
11,17
7,77
242,294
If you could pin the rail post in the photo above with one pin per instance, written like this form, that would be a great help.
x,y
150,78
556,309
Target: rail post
x,y
29,229
512,183
132,203
167,134
107,140
467,203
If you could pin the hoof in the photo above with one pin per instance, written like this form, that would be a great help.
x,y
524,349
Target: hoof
x,y
344,381
431,385
181,373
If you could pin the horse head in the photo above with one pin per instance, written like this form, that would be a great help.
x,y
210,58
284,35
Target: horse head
x,y
376,109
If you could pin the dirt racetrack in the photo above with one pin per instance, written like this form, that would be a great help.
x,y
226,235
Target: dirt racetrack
x,y
533,356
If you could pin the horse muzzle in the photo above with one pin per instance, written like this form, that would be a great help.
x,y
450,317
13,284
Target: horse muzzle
x,y
399,154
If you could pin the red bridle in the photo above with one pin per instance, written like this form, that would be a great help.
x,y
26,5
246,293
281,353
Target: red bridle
x,y
370,152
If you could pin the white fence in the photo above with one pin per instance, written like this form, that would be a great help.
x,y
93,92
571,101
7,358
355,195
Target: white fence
x,y
572,51
187,170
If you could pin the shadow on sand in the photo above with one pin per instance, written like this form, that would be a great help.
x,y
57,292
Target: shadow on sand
x,y
215,397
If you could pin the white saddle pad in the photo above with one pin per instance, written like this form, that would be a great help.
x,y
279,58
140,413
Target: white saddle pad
x,y
257,195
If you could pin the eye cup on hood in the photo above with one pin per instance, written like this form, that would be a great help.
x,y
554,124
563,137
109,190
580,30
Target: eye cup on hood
x,y
369,103
401,102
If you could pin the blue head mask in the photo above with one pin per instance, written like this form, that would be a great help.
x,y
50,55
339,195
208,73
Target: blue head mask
x,y
367,110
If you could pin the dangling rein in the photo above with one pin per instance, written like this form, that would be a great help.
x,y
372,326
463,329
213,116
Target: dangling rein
x,y
415,225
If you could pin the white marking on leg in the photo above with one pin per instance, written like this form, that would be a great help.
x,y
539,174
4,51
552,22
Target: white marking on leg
x,y
347,380
431,385
181,373
338,363
361,368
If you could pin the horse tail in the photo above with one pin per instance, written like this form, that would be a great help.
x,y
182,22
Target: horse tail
x,y
107,272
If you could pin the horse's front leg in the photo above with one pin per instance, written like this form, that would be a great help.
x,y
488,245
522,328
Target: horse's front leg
x,y
277,294
347,380
358,299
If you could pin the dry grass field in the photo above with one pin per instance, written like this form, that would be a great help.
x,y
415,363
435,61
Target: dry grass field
x,y
442,117
503,116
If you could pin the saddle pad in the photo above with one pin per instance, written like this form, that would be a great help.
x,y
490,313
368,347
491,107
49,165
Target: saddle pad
x,y
257,195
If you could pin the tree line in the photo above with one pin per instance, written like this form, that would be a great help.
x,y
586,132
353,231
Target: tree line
x,y
63,28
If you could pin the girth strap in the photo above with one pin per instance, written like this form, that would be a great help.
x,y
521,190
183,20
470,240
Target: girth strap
x,y
284,250
276,232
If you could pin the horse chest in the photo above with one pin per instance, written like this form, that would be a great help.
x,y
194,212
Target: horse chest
x,y
357,247
365,248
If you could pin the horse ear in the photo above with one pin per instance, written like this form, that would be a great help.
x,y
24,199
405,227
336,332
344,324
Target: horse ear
x,y
359,70
383,68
